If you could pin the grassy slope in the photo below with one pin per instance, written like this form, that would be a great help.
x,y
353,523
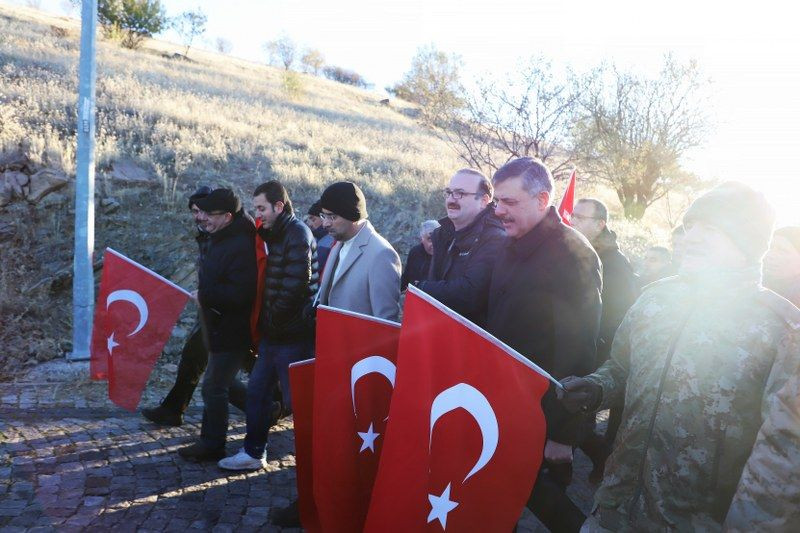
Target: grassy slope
x,y
211,120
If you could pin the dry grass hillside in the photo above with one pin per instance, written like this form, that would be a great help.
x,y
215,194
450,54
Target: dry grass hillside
x,y
166,125
177,124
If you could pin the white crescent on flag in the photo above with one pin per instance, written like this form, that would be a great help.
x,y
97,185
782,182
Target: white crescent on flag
x,y
136,299
374,364
472,401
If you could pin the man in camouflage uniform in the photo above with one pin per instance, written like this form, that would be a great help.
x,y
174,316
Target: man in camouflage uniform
x,y
768,497
693,360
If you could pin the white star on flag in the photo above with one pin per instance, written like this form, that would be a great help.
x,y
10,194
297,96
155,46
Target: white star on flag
x,y
440,506
111,344
369,439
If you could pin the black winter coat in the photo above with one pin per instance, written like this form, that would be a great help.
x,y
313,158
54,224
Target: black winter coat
x,y
462,264
544,301
227,285
292,280
417,266
620,290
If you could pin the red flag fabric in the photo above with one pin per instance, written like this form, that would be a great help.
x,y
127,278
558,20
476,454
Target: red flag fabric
x,y
355,375
568,201
136,311
466,432
301,384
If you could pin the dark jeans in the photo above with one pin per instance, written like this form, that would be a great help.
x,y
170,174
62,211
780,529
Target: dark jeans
x,y
194,359
271,368
549,500
220,385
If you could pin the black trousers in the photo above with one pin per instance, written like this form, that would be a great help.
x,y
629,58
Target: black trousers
x,y
194,360
549,500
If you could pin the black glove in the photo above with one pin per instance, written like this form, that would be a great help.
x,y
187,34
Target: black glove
x,y
579,394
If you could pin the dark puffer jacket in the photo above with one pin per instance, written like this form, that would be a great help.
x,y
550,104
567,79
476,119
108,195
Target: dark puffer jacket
x,y
227,285
462,264
292,280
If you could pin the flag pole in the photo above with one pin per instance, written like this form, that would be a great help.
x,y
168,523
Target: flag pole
x,y
83,276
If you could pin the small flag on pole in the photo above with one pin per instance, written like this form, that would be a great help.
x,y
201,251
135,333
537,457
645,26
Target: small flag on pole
x,y
568,201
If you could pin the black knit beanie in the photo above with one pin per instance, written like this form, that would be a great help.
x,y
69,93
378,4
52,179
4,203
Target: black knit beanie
x,y
201,192
315,209
224,200
345,199
743,213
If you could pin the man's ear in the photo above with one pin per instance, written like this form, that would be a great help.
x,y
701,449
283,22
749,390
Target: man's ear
x,y
278,206
544,200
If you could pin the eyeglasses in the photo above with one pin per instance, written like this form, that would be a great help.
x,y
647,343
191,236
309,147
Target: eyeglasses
x,y
216,213
330,217
457,194
582,217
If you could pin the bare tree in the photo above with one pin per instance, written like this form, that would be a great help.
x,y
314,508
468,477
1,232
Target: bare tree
x,y
634,131
223,45
189,25
433,82
527,113
312,61
282,51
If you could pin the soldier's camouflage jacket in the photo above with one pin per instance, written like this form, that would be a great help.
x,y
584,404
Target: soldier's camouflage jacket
x,y
693,358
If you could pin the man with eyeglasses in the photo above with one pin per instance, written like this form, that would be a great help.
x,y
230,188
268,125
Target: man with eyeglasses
x,y
620,289
225,293
194,356
465,246
291,280
363,270
544,301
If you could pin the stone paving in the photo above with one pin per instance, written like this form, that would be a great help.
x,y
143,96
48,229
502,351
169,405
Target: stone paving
x,y
72,461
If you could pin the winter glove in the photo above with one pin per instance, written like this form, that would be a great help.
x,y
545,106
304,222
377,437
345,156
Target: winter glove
x,y
579,394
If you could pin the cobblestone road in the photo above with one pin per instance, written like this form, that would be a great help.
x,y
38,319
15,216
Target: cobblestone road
x,y
70,460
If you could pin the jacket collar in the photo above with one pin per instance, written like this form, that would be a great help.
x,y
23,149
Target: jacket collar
x,y
464,238
238,224
528,243
278,229
606,241
360,240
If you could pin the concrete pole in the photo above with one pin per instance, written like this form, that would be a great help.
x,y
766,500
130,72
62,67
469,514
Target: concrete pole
x,y
83,278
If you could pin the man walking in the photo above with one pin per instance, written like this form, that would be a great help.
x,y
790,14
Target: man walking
x,y
227,284
362,274
465,247
194,356
544,301
363,270
288,336
590,217
693,360
324,241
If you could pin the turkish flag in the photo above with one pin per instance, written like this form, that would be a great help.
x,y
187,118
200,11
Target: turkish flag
x,y
301,384
568,201
466,432
355,376
136,310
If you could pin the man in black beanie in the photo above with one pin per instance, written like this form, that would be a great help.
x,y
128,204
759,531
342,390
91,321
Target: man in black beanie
x,y
194,356
363,270
225,294
693,361
324,241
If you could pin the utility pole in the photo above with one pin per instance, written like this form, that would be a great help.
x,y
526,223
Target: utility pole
x,y
83,275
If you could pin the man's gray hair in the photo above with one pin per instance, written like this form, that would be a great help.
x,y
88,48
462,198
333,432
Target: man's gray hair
x,y
536,177
427,227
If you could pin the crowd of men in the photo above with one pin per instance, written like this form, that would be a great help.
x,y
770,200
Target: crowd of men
x,y
697,362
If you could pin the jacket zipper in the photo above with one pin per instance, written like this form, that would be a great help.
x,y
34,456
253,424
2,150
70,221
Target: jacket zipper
x,y
673,345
